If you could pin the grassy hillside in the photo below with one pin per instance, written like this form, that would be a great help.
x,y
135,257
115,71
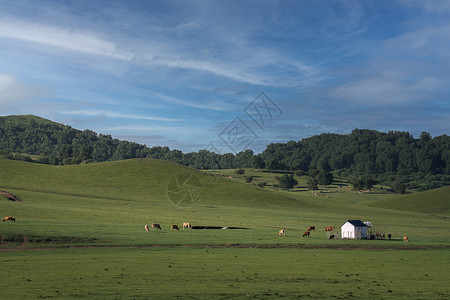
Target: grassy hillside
x,y
85,224
435,201
26,119
110,201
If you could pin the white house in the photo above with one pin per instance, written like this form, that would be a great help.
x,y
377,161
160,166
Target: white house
x,y
354,229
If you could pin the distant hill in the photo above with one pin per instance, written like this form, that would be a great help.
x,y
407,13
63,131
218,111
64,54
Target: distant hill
x,y
393,158
28,119
140,180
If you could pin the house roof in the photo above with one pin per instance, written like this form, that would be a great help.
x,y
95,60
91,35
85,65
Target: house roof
x,y
356,223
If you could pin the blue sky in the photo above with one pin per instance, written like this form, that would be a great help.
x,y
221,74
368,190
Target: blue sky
x,y
227,75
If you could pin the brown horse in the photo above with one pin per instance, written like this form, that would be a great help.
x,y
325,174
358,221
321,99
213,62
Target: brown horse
x,y
306,233
312,228
174,227
281,232
405,238
156,226
330,228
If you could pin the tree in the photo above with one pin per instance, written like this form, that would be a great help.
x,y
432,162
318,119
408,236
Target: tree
x,y
274,165
325,178
312,184
313,173
258,162
398,187
287,181
363,182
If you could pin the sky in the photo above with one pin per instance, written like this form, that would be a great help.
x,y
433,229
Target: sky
x,y
226,76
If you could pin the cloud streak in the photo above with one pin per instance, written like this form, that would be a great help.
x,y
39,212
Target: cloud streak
x,y
58,37
110,114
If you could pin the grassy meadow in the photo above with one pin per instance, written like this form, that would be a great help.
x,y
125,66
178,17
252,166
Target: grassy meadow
x,y
79,233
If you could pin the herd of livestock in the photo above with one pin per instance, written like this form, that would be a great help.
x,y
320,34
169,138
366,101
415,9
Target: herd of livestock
x,y
282,232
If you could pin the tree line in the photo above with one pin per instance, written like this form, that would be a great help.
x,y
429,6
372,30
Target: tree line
x,y
363,153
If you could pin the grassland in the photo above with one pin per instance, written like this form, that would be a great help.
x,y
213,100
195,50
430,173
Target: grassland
x,y
79,232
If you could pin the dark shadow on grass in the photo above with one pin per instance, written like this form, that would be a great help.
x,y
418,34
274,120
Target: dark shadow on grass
x,y
217,227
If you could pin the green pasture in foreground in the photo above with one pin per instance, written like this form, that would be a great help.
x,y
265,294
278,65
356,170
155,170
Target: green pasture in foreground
x,y
101,209
207,273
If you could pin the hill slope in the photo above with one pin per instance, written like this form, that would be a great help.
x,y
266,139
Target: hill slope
x,y
112,201
139,180
435,201
27,119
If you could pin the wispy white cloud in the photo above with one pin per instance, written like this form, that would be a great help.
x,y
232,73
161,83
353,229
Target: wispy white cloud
x,y
422,42
60,37
244,67
13,91
435,6
110,114
180,131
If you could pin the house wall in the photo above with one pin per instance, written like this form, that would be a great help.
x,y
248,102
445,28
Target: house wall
x,y
348,231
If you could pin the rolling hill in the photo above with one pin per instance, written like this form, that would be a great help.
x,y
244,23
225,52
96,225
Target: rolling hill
x,y
435,201
111,201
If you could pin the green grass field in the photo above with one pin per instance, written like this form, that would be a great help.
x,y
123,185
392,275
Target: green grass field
x,y
79,233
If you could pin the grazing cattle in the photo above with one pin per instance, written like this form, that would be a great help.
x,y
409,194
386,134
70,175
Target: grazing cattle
x,y
187,225
389,236
312,228
405,238
281,232
332,237
174,227
330,228
9,218
306,233
146,227
156,226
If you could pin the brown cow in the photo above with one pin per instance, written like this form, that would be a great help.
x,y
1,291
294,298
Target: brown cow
x,y
306,233
405,238
281,232
146,227
187,225
332,237
174,227
9,218
156,226
312,228
330,228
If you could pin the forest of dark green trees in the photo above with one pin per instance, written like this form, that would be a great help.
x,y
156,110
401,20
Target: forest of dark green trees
x,y
384,157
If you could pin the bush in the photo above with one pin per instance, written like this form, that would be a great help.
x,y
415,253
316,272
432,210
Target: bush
x,y
287,181
262,184
240,171
299,173
249,179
